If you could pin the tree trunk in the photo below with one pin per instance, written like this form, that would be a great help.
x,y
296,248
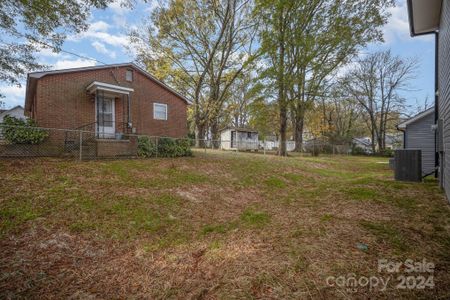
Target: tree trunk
x,y
381,147
373,140
299,121
281,88
200,131
283,127
215,135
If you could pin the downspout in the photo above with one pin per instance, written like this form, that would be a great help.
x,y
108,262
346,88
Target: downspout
x,y
96,123
130,124
404,136
436,102
404,139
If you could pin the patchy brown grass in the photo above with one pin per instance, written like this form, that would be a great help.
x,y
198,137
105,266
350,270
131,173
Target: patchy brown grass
x,y
219,225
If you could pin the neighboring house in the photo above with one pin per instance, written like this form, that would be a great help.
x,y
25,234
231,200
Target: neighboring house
x,y
110,100
16,111
419,135
271,143
433,17
239,139
393,141
363,143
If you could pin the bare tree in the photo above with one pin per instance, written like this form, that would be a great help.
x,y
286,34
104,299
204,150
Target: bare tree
x,y
342,117
324,36
375,83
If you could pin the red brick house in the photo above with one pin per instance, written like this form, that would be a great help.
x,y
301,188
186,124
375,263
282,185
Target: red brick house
x,y
110,104
110,100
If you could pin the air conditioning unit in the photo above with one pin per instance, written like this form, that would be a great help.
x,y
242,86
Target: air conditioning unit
x,y
408,165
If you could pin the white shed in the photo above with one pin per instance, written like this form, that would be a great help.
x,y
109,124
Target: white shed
x,y
239,139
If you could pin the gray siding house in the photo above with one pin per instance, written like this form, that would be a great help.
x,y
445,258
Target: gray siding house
x,y
419,135
433,17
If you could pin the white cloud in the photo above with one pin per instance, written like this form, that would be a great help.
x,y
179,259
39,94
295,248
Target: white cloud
x,y
77,63
119,13
152,4
101,48
47,52
99,33
119,9
119,40
99,26
397,27
120,21
14,95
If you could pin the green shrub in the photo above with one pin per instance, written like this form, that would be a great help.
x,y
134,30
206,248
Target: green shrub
x,y
146,148
18,131
387,153
358,151
167,147
185,147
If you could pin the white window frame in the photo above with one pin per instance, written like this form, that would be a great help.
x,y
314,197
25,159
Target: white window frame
x,y
154,111
128,71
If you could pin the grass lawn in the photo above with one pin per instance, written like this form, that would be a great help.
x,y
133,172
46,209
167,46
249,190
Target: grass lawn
x,y
218,225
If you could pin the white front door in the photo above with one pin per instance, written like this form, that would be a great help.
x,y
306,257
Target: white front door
x,y
105,118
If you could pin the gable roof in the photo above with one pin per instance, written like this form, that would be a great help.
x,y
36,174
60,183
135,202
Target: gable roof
x,y
6,111
363,141
419,116
35,76
424,16
241,129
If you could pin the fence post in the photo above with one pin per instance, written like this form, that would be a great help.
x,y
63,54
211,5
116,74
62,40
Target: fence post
x,y
204,145
157,140
81,145
264,146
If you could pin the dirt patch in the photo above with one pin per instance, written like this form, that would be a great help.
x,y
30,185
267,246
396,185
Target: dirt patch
x,y
195,194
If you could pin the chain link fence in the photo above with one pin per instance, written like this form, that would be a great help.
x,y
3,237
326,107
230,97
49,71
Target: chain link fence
x,y
32,142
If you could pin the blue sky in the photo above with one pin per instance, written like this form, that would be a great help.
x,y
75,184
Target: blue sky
x,y
106,40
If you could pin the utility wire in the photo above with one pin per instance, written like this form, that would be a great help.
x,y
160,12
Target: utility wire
x,y
36,7
71,53
60,50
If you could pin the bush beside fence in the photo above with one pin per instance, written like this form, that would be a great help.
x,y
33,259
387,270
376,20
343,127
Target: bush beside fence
x,y
163,147
27,140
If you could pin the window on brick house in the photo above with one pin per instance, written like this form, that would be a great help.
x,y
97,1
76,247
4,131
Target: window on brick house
x,y
129,75
159,111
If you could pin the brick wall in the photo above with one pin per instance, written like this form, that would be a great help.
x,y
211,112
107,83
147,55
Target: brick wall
x,y
62,102
113,148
